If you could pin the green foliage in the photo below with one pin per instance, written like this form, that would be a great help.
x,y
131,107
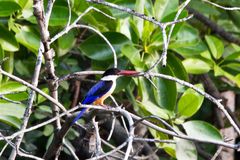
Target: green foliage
x,y
203,130
190,102
97,49
193,50
185,150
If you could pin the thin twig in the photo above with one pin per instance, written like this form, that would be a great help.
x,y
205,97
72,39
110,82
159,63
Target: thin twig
x,y
20,153
69,13
78,74
150,19
70,150
154,140
222,7
214,27
40,124
99,149
131,132
206,95
217,153
49,11
3,149
28,110
158,118
110,152
33,88
9,100
75,25
112,128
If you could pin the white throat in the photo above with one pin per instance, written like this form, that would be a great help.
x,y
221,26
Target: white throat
x,y
110,78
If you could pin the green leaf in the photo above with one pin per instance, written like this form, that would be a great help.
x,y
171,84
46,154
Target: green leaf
x,y
185,150
233,56
16,97
153,109
196,66
42,112
218,71
96,48
23,3
186,36
234,16
191,50
177,67
65,43
139,22
7,40
2,55
190,102
166,92
215,45
163,8
132,54
11,87
10,120
40,98
22,68
145,89
27,37
8,65
48,130
204,8
8,7
202,130
59,16
10,109
119,14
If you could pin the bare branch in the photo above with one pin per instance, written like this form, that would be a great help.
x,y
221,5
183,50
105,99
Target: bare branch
x,y
99,149
20,153
77,74
152,20
158,118
217,153
9,100
40,124
206,95
154,140
75,25
222,7
110,152
49,11
112,128
33,88
28,110
70,150
214,27
69,13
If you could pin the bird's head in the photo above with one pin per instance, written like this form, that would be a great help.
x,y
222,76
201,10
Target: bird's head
x,y
114,73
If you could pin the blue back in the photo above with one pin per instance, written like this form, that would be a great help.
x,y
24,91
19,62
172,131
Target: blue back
x,y
96,92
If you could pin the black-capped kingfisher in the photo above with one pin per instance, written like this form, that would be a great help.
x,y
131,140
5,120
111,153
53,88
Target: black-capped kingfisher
x,y
103,89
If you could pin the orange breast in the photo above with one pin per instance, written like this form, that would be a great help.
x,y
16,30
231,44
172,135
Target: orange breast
x,y
100,101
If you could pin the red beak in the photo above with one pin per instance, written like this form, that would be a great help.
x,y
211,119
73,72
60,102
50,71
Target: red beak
x,y
128,73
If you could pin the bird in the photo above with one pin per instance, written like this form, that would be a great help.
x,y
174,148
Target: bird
x,y
103,89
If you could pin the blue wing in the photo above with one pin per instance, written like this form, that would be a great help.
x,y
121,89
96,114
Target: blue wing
x,y
97,91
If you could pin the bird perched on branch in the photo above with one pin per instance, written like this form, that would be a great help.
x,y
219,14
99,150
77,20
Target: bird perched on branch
x,y
103,89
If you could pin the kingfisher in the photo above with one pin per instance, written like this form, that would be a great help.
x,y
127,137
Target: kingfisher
x,y
103,89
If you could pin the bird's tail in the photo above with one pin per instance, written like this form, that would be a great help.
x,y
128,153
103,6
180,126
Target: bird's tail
x,y
79,115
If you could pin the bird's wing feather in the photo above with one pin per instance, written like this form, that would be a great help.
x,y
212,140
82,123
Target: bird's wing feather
x,y
97,91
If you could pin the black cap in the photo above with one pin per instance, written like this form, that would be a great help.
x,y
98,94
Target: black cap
x,y
111,71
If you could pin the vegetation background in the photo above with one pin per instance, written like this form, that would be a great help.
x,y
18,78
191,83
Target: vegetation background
x,y
203,50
